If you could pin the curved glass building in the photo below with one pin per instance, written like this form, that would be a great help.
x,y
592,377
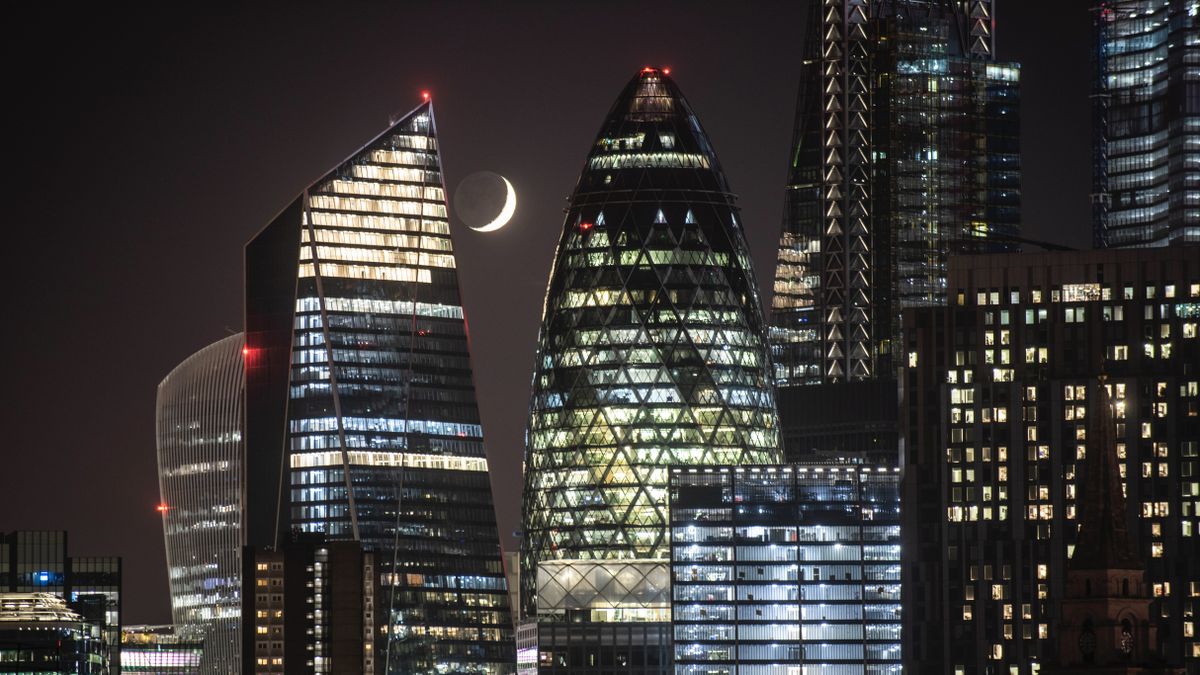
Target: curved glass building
x,y
651,353
200,455
361,401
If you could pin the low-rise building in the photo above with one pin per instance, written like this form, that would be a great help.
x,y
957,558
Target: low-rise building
x,y
786,569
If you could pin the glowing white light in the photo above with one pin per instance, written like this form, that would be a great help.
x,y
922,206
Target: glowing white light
x,y
506,213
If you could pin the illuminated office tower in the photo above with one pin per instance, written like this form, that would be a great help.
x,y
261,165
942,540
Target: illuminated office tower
x,y
1001,412
199,439
782,570
361,401
1146,123
651,353
905,149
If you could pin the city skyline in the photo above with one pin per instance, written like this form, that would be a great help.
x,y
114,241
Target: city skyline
x,y
179,256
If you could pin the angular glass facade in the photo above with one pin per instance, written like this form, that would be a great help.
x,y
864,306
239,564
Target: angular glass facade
x,y
359,375
786,569
1146,123
905,150
198,429
652,352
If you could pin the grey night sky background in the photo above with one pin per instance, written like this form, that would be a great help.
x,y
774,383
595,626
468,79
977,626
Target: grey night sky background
x,y
148,145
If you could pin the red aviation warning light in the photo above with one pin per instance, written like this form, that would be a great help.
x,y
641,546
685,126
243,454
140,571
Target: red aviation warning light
x,y
425,95
162,508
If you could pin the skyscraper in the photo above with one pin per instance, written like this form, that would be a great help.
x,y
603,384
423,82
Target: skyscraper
x,y
198,428
905,150
651,353
361,402
1146,123
1000,424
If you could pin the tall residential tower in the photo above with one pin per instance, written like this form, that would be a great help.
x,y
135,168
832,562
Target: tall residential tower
x,y
1000,427
652,353
361,401
198,428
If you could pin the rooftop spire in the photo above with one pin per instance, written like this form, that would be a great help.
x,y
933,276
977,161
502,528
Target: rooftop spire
x,y
1103,540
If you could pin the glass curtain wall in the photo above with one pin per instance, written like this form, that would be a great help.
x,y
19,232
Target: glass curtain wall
x,y
383,438
198,428
786,569
652,352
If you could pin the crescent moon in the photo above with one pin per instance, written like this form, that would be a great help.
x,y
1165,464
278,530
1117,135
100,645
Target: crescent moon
x,y
506,213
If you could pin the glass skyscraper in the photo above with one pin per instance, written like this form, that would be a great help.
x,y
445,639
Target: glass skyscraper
x,y
652,352
1146,123
198,428
361,402
783,570
905,150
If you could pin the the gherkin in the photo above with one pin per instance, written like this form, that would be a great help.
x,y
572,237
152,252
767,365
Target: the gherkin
x,y
651,353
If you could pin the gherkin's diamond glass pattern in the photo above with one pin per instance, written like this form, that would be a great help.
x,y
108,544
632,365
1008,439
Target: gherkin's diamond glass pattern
x,y
651,351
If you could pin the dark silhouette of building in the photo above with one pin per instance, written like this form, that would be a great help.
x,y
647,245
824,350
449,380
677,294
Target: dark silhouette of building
x,y
1146,123
1105,624
361,416
310,608
652,352
999,417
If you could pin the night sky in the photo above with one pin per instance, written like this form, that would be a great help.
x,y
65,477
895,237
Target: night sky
x,y
147,147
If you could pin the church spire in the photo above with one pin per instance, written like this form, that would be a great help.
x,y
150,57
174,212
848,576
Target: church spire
x,y
1103,540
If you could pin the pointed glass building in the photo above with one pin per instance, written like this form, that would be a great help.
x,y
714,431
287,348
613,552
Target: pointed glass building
x,y
652,352
361,403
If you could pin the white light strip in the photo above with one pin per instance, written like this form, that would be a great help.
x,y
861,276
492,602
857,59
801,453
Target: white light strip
x,y
367,305
411,460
